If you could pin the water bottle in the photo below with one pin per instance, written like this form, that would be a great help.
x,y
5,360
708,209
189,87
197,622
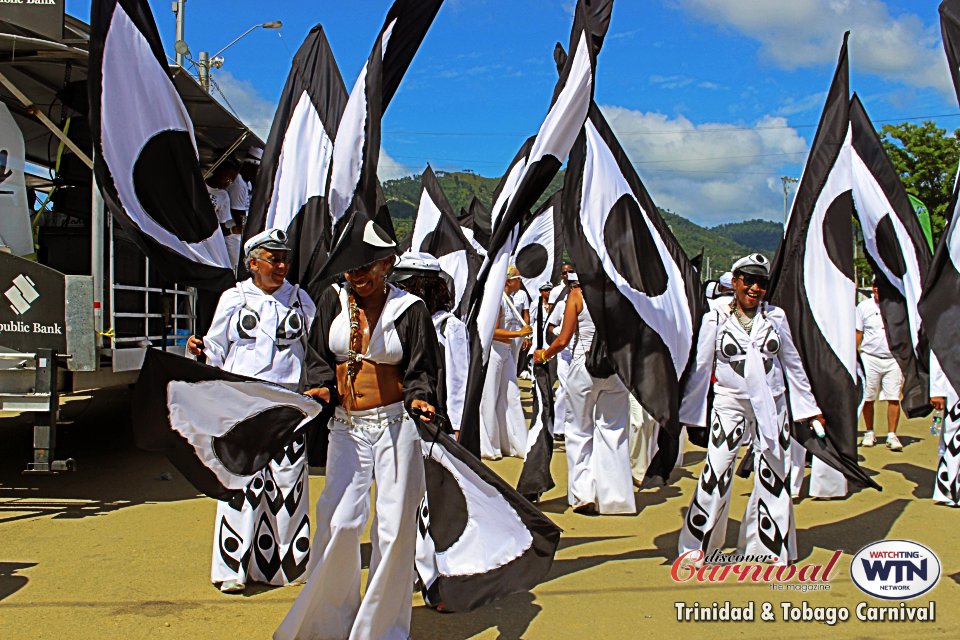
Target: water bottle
x,y
937,424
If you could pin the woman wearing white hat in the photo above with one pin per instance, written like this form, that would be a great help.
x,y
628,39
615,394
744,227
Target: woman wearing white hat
x,y
747,356
260,330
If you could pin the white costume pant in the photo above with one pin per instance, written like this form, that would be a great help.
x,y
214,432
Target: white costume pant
x,y
503,427
276,515
642,438
797,464
946,487
560,417
768,526
598,459
379,445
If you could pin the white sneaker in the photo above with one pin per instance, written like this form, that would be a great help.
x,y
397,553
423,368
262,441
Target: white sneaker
x,y
231,586
893,442
869,439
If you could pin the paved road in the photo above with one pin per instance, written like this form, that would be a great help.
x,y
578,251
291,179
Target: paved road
x,y
114,551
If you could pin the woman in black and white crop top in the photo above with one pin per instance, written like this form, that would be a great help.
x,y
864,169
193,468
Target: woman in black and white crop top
x,y
373,352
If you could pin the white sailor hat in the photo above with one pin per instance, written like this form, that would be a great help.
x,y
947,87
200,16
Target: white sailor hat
x,y
254,155
415,263
755,263
272,239
726,280
546,286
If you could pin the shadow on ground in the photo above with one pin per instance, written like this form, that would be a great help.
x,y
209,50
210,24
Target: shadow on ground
x,y
10,582
111,472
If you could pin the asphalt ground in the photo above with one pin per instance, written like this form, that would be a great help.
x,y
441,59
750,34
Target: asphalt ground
x,y
121,549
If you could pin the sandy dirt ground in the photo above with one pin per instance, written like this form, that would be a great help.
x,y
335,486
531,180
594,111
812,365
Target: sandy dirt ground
x,y
121,549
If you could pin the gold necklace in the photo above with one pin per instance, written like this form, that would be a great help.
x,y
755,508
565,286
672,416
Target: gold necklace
x,y
745,322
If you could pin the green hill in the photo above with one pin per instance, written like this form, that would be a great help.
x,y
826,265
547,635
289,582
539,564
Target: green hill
x,y
722,244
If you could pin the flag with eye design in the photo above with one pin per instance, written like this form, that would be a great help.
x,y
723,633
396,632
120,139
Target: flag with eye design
x,y
145,153
540,247
641,290
940,304
812,281
218,428
437,232
528,175
897,250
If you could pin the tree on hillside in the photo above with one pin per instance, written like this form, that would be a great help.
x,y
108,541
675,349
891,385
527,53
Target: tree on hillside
x,y
926,157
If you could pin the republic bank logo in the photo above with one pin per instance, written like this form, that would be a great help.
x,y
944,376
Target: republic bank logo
x,y
22,294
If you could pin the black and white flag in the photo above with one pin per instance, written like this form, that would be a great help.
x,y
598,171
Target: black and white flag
x,y
356,151
145,153
479,539
940,304
290,193
898,252
475,221
437,232
642,291
539,251
529,174
812,281
218,428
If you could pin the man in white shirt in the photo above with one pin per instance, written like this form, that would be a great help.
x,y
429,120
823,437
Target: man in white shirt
x,y
884,378
242,187
217,185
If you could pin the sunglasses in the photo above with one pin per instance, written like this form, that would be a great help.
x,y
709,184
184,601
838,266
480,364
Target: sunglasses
x,y
750,279
274,262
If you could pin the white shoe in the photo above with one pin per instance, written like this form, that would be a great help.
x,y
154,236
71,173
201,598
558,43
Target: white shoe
x,y
231,586
869,439
893,442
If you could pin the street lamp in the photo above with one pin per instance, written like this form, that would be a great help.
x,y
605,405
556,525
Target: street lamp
x,y
205,60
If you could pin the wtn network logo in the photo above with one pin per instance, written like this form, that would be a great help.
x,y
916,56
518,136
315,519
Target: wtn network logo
x,y
895,569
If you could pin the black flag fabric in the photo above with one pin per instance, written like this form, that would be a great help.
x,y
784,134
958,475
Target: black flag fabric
x,y
812,281
218,428
940,304
898,252
356,151
145,153
291,191
480,538
476,224
436,231
642,291
535,476
529,174
539,250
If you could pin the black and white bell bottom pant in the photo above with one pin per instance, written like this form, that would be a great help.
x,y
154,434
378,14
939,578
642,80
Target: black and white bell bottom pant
x,y
768,527
946,487
267,539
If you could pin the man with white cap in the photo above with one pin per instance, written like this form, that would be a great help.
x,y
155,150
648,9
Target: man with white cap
x,y
260,330
217,184
241,189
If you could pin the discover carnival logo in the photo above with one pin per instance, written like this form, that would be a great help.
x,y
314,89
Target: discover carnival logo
x,y
895,569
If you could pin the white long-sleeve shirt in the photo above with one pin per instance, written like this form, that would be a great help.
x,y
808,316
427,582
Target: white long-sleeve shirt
x,y
261,335
724,343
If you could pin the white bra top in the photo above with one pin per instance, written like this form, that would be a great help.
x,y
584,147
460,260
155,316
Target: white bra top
x,y
384,347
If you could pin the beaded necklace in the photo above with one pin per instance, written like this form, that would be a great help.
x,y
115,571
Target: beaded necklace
x,y
745,321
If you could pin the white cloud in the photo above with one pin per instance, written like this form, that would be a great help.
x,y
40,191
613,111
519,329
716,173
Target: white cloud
x,y
243,100
390,169
803,33
710,172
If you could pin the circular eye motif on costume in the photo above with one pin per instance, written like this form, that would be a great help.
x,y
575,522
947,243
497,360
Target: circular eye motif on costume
x,y
773,345
295,322
248,322
729,346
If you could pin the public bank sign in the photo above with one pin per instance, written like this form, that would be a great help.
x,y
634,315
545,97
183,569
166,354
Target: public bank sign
x,y
895,569
32,306
43,17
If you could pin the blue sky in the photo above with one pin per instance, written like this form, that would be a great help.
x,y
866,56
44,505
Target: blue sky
x,y
713,100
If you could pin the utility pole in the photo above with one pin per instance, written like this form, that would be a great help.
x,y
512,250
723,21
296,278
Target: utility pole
x,y
786,180
178,8
203,65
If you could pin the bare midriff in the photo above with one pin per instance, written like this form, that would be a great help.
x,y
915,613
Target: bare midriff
x,y
376,385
